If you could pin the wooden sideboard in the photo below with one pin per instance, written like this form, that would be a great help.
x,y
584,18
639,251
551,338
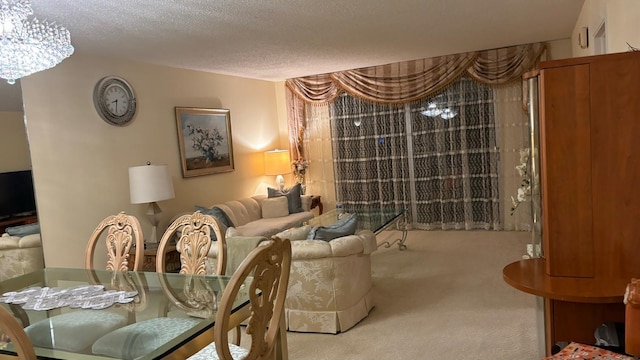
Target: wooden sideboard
x,y
16,221
589,178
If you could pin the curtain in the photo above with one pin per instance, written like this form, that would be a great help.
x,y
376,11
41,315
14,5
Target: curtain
x,y
512,136
318,152
409,81
412,82
371,157
456,160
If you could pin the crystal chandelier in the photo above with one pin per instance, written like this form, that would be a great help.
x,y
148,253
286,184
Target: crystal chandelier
x,y
29,46
433,110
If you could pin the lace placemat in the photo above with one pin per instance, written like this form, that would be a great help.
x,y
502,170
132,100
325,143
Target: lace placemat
x,y
81,296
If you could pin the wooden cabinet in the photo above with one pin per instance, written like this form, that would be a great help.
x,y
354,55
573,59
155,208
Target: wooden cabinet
x,y
172,258
589,176
566,167
16,221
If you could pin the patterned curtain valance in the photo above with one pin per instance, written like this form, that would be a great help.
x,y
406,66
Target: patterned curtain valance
x,y
409,81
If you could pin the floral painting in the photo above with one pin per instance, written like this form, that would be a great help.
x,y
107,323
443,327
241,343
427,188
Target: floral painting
x,y
205,141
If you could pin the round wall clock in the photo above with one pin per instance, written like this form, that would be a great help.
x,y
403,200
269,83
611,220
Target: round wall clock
x,y
114,100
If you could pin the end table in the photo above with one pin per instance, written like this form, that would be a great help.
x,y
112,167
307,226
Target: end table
x,y
316,202
172,258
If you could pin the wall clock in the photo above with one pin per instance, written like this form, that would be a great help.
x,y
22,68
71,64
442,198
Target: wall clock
x,y
114,100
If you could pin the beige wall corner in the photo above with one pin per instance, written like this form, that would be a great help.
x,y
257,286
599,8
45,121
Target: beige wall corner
x,y
14,146
620,20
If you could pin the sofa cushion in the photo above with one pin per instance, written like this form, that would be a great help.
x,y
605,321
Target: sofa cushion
x,y
343,227
270,227
23,230
275,207
219,215
242,211
297,233
293,197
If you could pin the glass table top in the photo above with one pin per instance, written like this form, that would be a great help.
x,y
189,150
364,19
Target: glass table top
x,y
158,295
372,219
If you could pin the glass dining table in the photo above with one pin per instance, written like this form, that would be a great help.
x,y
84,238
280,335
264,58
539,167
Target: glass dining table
x,y
136,296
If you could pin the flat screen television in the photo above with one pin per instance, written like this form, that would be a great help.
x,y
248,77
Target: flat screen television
x,y
16,194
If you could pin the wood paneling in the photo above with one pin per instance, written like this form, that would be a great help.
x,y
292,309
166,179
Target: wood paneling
x,y
615,134
566,168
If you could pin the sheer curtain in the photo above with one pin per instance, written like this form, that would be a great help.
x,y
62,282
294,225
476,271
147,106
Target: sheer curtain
x,y
370,151
456,160
513,135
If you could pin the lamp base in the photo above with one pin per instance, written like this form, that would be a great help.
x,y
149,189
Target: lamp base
x,y
153,214
280,182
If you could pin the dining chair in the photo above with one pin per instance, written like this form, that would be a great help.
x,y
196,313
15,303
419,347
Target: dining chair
x,y
121,232
193,244
269,265
12,328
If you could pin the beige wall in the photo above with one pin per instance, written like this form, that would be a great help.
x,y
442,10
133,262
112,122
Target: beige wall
x,y
80,163
14,147
621,19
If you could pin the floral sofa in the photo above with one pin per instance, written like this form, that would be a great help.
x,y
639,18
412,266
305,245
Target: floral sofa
x,y
20,255
261,216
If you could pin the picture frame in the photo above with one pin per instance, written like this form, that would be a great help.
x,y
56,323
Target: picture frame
x,y
204,137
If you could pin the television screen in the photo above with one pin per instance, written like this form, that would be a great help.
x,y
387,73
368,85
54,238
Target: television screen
x,y
16,194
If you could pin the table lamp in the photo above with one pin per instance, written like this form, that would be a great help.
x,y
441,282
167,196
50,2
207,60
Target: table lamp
x,y
149,184
277,162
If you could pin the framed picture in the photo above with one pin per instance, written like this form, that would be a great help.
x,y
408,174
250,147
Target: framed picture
x,y
205,141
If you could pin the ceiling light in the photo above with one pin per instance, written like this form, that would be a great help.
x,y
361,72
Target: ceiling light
x,y
28,46
432,110
448,114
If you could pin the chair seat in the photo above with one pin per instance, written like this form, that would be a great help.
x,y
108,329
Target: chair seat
x,y
209,352
141,338
74,331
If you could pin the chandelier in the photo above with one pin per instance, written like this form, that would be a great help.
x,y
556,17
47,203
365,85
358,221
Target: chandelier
x,y
433,110
29,46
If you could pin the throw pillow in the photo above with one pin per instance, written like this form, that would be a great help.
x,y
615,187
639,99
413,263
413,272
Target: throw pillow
x,y
23,230
343,227
298,233
293,197
217,213
275,207
222,218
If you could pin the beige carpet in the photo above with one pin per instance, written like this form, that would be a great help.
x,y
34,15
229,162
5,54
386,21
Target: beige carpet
x,y
443,298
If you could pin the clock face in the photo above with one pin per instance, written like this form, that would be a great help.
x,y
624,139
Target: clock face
x,y
114,100
117,100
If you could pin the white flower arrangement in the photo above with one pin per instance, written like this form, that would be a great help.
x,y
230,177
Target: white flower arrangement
x,y
300,166
524,191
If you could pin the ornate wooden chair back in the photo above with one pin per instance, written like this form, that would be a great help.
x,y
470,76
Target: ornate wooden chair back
x,y
122,231
194,244
269,264
12,328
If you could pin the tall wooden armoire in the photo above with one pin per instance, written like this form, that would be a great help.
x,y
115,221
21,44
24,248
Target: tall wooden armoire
x,y
589,114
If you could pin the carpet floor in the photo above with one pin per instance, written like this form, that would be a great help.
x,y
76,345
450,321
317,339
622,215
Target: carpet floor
x,y
442,298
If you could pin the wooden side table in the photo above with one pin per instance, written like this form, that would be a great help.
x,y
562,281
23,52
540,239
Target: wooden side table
x,y
172,258
316,202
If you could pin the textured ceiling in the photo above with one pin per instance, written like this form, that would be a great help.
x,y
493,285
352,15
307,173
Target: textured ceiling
x,y
278,39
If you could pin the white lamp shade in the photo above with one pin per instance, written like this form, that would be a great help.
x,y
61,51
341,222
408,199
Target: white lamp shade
x,y
277,162
150,183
